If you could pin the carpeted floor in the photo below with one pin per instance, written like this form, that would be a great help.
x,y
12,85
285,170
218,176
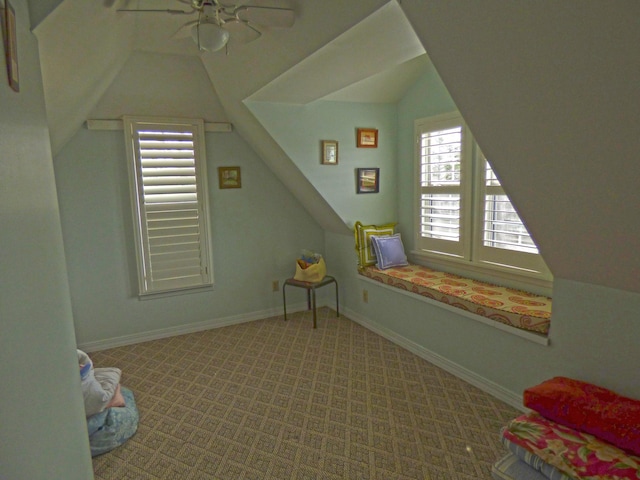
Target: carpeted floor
x,y
278,400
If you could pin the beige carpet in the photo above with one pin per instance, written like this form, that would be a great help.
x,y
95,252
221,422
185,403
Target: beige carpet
x,y
278,400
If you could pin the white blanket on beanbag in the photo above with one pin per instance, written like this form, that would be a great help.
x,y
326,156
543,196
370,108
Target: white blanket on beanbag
x,y
98,385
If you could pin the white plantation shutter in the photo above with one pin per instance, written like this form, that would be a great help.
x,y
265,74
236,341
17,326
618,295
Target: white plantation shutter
x,y
502,238
442,178
502,227
170,208
464,216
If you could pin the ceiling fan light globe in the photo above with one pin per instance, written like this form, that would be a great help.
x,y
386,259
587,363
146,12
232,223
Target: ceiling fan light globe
x,y
209,36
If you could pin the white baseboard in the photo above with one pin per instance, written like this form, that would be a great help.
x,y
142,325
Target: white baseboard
x,y
188,328
468,376
474,379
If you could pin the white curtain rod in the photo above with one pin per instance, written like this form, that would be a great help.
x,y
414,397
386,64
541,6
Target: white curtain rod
x,y
116,124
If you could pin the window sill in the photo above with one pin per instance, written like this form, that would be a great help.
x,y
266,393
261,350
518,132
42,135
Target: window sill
x,y
172,293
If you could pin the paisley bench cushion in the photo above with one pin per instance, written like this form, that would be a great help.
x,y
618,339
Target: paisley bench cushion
x,y
512,307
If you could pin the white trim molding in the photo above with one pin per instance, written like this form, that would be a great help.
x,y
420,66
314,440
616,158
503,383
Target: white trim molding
x,y
492,388
134,338
118,124
488,386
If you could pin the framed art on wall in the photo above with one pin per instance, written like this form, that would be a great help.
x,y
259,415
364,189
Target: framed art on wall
x,y
11,45
229,177
329,152
367,138
368,180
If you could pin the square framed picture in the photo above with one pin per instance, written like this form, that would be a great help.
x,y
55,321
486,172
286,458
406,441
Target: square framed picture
x,y
367,138
368,180
229,177
329,152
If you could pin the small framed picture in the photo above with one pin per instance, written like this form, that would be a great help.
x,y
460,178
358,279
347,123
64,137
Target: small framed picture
x,y
329,152
367,138
229,177
368,180
11,46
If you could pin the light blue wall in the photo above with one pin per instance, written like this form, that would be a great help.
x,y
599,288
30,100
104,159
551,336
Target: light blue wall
x,y
43,432
593,334
593,328
257,233
299,131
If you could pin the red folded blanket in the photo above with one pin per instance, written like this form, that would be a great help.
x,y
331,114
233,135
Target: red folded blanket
x,y
588,408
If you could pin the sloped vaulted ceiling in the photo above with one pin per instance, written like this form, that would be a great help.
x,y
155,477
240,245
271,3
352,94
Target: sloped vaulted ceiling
x,y
551,92
85,46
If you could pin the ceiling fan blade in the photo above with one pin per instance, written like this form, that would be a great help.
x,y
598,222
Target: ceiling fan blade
x,y
185,30
170,11
241,32
269,16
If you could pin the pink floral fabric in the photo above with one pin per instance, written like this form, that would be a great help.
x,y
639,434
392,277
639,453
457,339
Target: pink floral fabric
x,y
588,408
511,307
577,454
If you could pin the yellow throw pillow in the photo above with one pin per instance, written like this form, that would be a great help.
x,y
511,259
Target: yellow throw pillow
x,y
363,233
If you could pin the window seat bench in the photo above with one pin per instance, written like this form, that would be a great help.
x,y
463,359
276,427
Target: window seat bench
x,y
514,308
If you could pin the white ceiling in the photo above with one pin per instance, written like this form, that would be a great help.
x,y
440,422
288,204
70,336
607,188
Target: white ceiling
x,y
99,63
335,50
369,52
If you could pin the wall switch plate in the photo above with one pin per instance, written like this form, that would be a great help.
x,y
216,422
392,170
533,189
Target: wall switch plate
x,y
275,285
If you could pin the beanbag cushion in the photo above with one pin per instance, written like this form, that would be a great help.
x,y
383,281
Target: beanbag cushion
x,y
588,408
114,426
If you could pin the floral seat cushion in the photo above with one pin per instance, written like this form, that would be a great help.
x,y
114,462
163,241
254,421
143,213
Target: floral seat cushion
x,y
576,454
512,307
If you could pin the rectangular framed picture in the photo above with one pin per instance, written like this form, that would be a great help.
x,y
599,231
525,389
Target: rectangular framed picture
x,y
367,138
229,177
11,45
329,152
368,180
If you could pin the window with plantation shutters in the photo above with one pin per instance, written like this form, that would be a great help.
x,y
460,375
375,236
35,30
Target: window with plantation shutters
x,y
169,191
443,172
502,227
502,238
463,213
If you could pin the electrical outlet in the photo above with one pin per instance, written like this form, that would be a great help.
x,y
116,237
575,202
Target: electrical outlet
x,y
275,285
365,296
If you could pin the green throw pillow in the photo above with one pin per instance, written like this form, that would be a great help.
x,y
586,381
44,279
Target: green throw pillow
x,y
363,233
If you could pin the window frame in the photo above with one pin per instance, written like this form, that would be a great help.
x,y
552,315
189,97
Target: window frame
x,y
520,269
527,262
148,287
462,247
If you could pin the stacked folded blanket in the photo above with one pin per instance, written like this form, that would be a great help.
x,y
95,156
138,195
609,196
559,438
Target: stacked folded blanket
x,y
576,431
112,415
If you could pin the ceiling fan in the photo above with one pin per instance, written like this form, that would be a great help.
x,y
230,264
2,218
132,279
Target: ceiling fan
x,y
219,23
